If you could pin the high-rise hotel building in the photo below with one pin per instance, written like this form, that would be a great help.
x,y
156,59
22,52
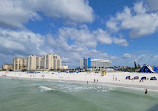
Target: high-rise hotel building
x,y
19,64
33,62
52,61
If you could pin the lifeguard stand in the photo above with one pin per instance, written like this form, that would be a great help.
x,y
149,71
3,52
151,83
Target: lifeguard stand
x,y
103,73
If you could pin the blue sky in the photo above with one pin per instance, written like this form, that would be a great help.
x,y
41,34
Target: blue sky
x,y
123,31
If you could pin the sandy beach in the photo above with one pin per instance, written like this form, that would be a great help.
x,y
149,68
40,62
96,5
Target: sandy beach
x,y
112,78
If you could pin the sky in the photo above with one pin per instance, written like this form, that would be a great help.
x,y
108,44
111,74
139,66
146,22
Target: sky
x,y
122,31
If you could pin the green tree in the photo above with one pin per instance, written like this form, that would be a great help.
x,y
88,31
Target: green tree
x,y
135,64
138,66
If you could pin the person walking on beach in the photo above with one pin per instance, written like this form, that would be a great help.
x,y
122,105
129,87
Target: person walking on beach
x,y
115,78
94,80
146,91
87,82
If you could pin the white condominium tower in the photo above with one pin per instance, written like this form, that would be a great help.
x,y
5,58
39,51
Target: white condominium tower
x,y
33,62
52,61
19,64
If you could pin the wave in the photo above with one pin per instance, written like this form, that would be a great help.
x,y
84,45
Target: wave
x,y
44,88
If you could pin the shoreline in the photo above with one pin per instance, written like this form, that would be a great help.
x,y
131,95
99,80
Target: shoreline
x,y
82,78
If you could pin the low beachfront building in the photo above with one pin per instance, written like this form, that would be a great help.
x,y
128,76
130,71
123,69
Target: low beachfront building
x,y
64,67
94,64
7,67
100,63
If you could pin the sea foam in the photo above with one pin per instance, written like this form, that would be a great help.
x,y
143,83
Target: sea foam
x,y
44,88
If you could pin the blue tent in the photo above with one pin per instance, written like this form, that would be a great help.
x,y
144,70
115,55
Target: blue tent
x,y
146,69
155,69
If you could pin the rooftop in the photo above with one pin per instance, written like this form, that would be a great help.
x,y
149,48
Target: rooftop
x,y
100,60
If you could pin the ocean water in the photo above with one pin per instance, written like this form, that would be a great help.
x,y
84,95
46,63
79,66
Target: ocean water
x,y
40,95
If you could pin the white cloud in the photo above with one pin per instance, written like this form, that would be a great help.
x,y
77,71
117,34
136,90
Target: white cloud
x,y
127,55
120,41
12,14
18,12
77,11
112,24
152,5
139,8
103,37
137,20
81,38
22,42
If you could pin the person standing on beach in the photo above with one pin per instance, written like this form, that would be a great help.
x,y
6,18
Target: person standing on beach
x,y
146,91
94,80
42,76
87,82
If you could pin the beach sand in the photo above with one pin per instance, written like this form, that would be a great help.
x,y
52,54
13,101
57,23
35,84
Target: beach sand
x,y
116,79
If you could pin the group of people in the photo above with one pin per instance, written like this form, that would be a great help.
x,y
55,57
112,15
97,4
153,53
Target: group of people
x,y
115,78
94,81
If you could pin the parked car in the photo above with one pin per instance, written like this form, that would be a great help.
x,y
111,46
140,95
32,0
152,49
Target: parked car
x,y
136,77
143,78
153,78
